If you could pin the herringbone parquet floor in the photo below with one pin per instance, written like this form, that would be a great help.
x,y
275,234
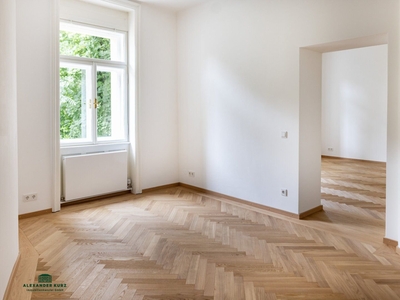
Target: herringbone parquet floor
x,y
179,244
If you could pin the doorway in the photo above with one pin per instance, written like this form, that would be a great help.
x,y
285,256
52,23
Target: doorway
x,y
311,84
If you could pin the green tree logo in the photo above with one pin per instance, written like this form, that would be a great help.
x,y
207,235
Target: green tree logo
x,y
45,278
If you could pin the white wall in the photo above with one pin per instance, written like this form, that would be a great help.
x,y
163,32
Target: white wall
x,y
93,14
158,121
239,87
225,75
309,130
34,103
8,145
354,103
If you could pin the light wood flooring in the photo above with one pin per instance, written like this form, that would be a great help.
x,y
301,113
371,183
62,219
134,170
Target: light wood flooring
x,y
180,244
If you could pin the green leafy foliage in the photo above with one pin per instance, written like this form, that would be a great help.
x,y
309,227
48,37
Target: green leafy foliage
x,y
82,45
104,106
73,102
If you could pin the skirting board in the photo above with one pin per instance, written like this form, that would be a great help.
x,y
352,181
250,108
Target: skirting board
x,y
201,190
35,214
351,159
256,205
7,294
390,242
100,197
161,187
311,212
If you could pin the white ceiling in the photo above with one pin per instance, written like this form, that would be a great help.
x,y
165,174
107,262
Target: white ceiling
x,y
173,4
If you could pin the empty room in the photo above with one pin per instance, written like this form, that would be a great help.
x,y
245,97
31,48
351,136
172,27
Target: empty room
x,y
199,149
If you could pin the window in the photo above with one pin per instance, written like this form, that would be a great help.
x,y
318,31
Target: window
x,y
93,85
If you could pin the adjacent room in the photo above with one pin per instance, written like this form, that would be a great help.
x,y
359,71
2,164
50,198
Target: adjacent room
x,y
199,149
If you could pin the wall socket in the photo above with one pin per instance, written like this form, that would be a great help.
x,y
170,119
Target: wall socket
x,y
30,197
284,192
192,174
330,149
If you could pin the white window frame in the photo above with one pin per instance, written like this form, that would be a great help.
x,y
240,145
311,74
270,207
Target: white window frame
x,y
94,64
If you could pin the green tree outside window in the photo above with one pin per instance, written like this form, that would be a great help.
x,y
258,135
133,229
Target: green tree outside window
x,y
72,86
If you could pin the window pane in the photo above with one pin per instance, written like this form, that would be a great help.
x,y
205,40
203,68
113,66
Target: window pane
x,y
111,104
104,104
83,45
73,110
89,42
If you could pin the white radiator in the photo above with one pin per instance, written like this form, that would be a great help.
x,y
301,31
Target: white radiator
x,y
95,174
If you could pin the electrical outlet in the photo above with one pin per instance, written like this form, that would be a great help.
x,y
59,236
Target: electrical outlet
x,y
191,174
30,197
330,149
284,192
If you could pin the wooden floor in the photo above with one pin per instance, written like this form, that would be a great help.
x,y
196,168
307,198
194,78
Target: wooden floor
x,y
179,244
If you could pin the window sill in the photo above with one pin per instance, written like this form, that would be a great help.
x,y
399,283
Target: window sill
x,y
83,149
